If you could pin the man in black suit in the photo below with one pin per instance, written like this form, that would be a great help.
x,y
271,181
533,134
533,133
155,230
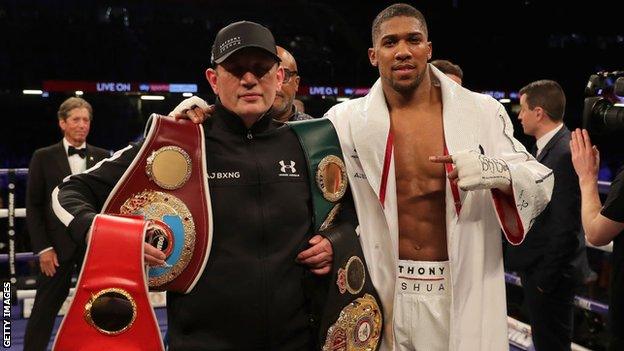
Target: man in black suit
x,y
58,254
552,257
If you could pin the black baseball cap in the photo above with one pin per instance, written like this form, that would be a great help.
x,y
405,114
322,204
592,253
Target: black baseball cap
x,y
240,35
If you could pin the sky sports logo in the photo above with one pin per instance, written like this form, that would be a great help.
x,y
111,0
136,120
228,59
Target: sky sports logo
x,y
6,314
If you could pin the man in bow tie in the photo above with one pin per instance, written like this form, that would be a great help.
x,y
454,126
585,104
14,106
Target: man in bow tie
x,y
57,253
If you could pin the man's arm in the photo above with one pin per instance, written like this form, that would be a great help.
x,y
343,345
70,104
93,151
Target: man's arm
x,y
36,204
603,230
531,182
599,230
521,187
320,256
80,197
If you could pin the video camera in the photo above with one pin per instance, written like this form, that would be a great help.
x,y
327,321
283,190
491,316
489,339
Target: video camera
x,y
602,114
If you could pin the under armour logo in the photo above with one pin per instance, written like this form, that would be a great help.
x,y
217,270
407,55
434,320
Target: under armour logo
x,y
284,166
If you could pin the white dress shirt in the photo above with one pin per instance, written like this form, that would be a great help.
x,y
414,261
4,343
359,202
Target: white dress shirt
x,y
76,163
541,142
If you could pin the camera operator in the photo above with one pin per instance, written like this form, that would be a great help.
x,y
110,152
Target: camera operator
x,y
602,225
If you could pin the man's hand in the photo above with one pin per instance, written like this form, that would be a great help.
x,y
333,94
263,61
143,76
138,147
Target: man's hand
x,y
193,108
319,257
585,157
474,171
153,256
48,262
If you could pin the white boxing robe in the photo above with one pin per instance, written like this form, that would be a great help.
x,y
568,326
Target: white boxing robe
x,y
471,121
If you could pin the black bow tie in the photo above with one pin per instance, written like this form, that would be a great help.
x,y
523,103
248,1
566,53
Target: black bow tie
x,y
80,152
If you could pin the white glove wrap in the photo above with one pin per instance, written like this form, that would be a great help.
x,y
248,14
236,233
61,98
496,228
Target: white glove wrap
x,y
188,104
477,171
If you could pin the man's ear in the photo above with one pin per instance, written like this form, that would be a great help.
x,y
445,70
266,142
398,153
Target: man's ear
x,y
540,113
62,124
430,50
297,81
211,77
280,77
372,57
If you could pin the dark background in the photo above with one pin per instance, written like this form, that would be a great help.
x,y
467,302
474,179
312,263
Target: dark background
x,y
501,45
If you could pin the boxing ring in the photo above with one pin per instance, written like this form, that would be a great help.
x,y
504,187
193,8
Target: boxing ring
x,y
22,291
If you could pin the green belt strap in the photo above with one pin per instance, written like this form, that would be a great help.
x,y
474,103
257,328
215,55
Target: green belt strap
x,y
318,139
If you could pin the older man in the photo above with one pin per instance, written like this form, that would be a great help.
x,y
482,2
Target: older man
x,y
58,255
251,293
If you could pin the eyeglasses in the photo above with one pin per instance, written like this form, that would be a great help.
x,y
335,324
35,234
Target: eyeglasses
x,y
288,74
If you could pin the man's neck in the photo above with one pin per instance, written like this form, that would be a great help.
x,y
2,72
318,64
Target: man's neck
x,y
74,143
250,120
546,128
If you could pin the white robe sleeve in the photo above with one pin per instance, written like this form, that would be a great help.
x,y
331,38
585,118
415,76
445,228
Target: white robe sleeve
x,y
531,182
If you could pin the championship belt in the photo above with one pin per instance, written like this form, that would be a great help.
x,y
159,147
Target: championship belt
x,y
328,174
111,309
351,317
167,183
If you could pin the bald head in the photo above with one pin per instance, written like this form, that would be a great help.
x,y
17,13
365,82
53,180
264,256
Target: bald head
x,y
283,104
288,61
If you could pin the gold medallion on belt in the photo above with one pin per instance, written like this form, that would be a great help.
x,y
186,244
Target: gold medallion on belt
x,y
331,178
358,327
169,167
155,206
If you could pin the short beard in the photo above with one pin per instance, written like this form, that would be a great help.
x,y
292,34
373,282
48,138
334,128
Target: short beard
x,y
409,87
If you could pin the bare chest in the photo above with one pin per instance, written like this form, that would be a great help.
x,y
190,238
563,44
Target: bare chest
x,y
416,138
420,186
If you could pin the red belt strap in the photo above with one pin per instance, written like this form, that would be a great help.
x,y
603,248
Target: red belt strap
x,y
114,259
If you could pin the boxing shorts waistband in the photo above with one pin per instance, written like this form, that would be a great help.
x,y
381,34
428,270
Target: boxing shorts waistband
x,y
423,277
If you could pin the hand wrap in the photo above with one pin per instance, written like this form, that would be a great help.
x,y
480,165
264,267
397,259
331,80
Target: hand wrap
x,y
477,171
